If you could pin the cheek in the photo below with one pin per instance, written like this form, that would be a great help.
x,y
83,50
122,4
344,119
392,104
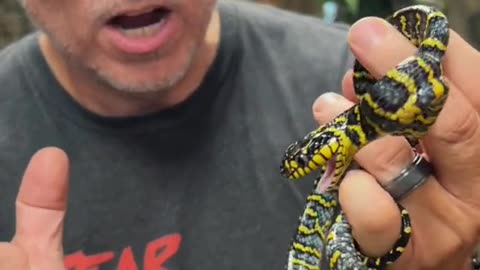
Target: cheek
x,y
68,28
199,14
41,11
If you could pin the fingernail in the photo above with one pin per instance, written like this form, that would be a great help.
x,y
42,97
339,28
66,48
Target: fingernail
x,y
366,34
327,99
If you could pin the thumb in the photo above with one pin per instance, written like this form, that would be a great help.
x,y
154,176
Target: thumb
x,y
40,209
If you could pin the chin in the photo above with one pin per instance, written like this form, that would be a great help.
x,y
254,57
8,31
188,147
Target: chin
x,y
141,83
159,74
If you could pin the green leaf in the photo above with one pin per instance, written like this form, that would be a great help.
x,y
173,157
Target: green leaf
x,y
352,5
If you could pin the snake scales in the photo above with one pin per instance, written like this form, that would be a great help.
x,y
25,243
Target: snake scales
x,y
404,102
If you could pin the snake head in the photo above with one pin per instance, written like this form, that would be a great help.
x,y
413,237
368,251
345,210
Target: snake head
x,y
295,159
312,152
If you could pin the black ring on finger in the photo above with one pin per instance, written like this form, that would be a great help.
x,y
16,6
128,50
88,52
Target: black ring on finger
x,y
410,178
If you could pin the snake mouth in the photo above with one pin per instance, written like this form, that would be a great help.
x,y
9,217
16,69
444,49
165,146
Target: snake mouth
x,y
327,178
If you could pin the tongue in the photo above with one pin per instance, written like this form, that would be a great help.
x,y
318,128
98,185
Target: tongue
x,y
138,21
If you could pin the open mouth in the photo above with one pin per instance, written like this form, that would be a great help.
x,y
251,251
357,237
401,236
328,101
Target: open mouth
x,y
327,177
144,31
135,24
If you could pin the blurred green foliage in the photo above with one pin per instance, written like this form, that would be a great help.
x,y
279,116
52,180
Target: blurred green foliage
x,y
464,15
351,10
13,23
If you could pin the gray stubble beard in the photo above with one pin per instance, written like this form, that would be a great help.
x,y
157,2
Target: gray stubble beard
x,y
105,78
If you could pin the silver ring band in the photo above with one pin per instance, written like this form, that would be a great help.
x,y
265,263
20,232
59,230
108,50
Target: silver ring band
x,y
410,178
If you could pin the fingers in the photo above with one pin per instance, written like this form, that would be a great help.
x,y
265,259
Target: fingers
x,y
384,158
375,221
456,134
453,146
347,86
378,45
371,211
435,212
462,68
359,189
357,192
371,42
40,209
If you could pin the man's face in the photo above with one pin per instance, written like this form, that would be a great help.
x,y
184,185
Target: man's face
x,y
131,45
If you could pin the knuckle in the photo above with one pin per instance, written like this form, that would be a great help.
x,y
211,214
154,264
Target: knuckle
x,y
461,129
327,106
457,122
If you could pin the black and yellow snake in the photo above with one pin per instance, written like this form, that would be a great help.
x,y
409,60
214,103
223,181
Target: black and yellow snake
x,y
404,102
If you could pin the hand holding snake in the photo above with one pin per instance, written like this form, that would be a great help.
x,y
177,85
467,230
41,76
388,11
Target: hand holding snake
x,y
445,211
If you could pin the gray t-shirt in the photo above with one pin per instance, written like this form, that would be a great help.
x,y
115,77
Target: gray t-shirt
x,y
193,187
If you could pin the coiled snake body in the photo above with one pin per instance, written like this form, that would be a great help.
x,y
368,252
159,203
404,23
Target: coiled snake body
x,y
404,102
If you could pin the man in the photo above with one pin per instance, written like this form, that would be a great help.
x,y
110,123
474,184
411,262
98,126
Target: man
x,y
168,120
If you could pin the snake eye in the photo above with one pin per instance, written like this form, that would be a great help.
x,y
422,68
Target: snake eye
x,y
302,161
293,149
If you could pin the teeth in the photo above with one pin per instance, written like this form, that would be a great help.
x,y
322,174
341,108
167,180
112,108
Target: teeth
x,y
146,31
